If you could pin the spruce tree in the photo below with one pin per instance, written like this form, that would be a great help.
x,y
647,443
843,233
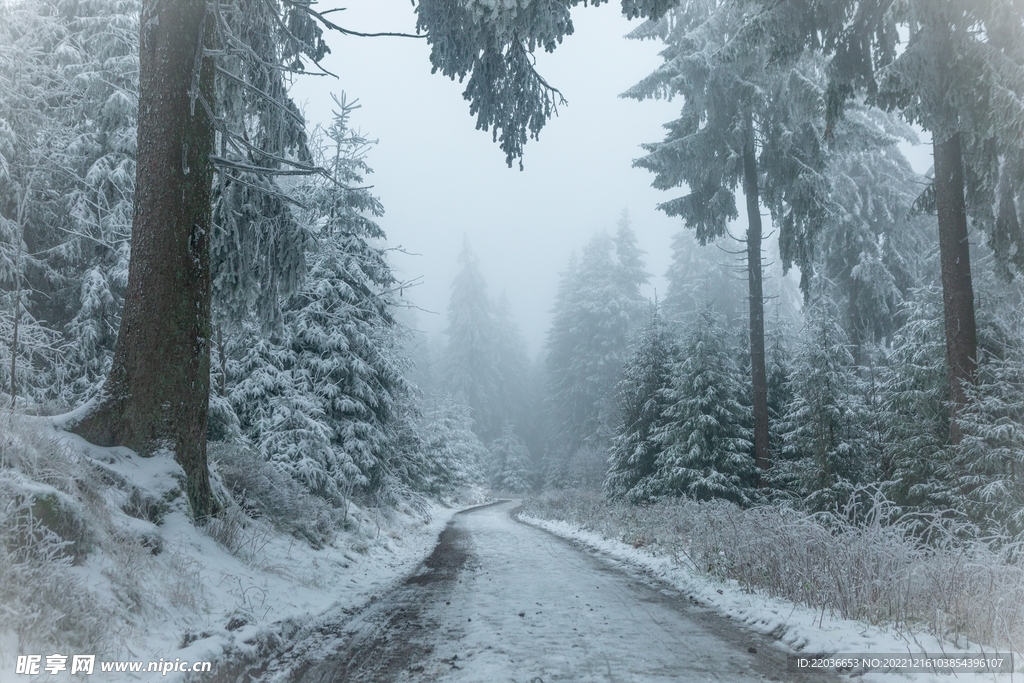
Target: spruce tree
x,y
509,466
827,447
698,271
752,117
705,435
960,77
454,454
871,248
596,308
470,355
643,397
324,392
987,465
915,408
515,393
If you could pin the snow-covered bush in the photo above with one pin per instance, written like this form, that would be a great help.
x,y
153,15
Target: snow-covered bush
x,y
42,599
52,513
264,491
871,566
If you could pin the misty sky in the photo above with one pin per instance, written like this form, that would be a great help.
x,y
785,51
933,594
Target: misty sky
x,y
440,178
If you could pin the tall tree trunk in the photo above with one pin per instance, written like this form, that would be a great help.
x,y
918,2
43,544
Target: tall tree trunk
x,y
157,393
759,374
14,347
957,288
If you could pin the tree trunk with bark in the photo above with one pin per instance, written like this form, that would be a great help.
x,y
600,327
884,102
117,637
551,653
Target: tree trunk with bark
x,y
955,257
759,374
157,393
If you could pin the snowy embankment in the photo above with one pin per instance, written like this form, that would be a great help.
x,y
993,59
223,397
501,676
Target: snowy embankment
x,y
831,590
99,556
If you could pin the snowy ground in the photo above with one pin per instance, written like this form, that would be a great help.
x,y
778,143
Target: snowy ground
x,y
793,628
193,600
501,601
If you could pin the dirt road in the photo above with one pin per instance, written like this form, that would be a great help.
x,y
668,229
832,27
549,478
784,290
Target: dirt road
x,y
499,601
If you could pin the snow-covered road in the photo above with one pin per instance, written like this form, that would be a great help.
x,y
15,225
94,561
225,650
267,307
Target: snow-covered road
x,y
502,601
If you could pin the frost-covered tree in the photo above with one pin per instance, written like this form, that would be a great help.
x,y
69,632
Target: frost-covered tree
x,y
697,272
914,408
508,467
162,353
987,465
779,363
324,392
752,117
828,444
454,454
515,385
873,245
643,397
597,306
960,76
471,364
706,451
31,140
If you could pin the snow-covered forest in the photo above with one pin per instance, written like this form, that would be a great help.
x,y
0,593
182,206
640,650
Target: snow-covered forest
x,y
203,328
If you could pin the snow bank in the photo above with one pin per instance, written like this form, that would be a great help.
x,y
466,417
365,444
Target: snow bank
x,y
674,546
98,555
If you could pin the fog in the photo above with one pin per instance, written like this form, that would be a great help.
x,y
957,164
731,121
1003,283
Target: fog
x,y
440,178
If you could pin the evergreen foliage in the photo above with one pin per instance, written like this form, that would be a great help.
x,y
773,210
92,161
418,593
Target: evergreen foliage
x,y
509,463
870,248
915,408
597,307
705,435
987,465
453,453
324,392
828,447
470,358
643,398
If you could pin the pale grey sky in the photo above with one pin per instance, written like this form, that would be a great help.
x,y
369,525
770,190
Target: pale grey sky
x,y
440,178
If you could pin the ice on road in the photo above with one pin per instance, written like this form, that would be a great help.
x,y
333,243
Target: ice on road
x,y
503,601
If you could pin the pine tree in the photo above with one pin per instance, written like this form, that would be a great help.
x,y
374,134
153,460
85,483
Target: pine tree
x,y
454,454
470,358
871,248
643,397
915,408
597,306
987,465
960,78
779,371
325,393
753,117
827,449
509,466
705,437
515,393
697,272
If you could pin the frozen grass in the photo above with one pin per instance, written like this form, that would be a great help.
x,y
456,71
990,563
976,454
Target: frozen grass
x,y
51,512
261,491
872,570
98,552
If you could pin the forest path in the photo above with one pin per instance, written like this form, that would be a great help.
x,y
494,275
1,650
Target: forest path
x,y
499,601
